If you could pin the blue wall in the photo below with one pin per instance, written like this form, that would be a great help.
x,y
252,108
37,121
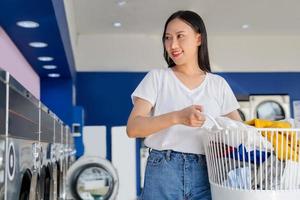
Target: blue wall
x,y
105,96
265,83
56,94
106,100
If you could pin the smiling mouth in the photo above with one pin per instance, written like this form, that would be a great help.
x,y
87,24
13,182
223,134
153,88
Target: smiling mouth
x,y
176,55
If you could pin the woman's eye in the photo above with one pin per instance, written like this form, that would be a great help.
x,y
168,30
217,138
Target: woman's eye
x,y
180,36
167,37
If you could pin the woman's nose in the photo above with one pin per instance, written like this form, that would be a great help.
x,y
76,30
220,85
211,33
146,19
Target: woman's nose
x,y
174,44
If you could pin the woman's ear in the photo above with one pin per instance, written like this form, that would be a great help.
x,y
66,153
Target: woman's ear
x,y
199,39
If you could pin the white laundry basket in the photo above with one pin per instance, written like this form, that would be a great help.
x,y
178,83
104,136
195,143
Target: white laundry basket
x,y
253,164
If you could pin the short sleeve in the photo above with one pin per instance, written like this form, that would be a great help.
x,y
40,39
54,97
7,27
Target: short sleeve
x,y
230,102
148,88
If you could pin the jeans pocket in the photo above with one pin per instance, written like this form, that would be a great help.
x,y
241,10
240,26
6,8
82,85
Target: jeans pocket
x,y
155,159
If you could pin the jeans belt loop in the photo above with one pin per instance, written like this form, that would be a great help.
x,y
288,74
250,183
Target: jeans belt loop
x,y
149,150
168,155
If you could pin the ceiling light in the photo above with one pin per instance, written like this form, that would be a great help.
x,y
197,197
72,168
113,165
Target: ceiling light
x,y
121,3
49,66
38,44
53,75
245,26
117,24
28,24
45,58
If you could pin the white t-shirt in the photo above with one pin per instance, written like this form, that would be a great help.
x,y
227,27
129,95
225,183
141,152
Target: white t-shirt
x,y
167,93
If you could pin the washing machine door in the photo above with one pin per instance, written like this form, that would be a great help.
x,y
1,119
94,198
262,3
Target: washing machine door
x,y
29,186
270,110
242,115
92,178
34,189
53,186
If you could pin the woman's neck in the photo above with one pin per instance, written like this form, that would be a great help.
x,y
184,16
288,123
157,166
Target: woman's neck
x,y
188,69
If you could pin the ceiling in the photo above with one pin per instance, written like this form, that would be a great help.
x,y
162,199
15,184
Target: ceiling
x,y
221,17
50,30
78,30
137,44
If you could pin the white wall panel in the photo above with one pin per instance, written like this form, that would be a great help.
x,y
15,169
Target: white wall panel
x,y
94,140
124,160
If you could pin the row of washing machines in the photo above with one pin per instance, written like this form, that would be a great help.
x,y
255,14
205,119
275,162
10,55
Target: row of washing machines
x,y
36,148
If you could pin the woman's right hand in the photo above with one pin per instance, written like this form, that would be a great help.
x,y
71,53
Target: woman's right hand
x,y
191,116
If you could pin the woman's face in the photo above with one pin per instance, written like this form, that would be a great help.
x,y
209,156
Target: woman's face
x,y
181,42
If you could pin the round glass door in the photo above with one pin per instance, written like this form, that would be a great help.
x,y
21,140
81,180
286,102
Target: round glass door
x,y
94,183
270,110
242,115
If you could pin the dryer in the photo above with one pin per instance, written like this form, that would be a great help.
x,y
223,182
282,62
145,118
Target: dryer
x,y
71,149
21,142
63,163
3,118
270,107
91,177
57,155
47,126
244,110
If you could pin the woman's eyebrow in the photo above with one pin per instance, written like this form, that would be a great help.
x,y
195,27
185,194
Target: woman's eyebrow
x,y
176,32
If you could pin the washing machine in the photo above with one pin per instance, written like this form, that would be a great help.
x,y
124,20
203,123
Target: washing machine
x,y
91,176
244,110
47,126
22,142
3,118
71,149
57,156
62,163
270,107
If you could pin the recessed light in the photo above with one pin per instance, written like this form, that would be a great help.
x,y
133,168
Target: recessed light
x,y
49,66
38,44
45,58
121,3
245,26
28,24
53,75
117,24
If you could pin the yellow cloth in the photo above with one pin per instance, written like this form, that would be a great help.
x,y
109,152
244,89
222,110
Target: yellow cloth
x,y
284,142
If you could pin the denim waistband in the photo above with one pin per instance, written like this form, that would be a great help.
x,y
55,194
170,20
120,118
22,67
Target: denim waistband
x,y
170,153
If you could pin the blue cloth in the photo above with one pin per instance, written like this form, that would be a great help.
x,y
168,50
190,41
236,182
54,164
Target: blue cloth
x,y
174,175
255,156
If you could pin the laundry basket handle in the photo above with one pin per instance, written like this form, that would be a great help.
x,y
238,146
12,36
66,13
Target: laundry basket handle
x,y
213,120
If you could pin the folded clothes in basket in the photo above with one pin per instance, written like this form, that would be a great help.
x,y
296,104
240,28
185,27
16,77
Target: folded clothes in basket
x,y
240,133
255,156
238,178
285,142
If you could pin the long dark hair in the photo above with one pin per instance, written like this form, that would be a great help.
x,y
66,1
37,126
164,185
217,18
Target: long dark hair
x,y
196,22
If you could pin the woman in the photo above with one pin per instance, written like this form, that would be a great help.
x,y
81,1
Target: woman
x,y
169,107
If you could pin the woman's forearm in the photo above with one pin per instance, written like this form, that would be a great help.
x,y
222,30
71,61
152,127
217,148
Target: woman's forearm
x,y
141,126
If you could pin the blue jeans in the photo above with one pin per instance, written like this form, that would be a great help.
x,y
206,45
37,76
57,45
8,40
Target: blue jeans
x,y
174,175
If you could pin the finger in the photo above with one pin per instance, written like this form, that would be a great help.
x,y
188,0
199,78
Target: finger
x,y
198,124
199,107
200,116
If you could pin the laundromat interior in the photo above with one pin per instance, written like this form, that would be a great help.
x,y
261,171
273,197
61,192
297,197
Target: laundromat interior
x,y
68,69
